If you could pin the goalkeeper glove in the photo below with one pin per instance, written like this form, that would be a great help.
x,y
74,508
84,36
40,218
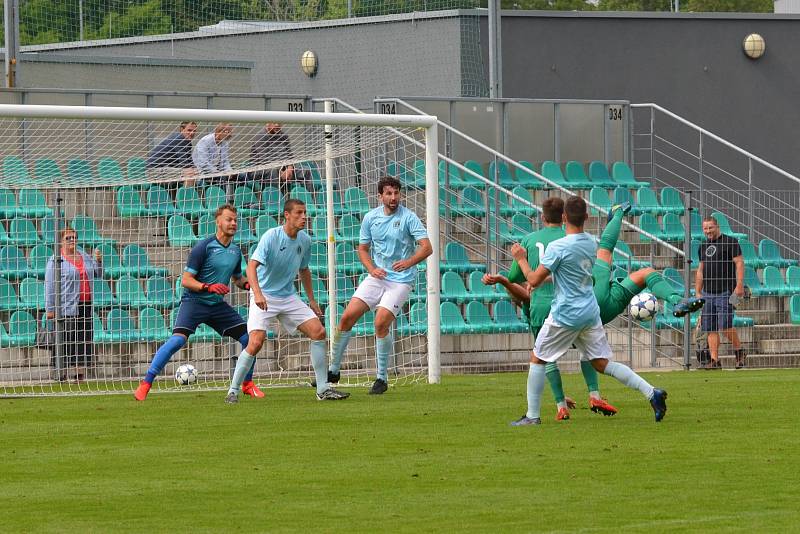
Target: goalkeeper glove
x,y
219,289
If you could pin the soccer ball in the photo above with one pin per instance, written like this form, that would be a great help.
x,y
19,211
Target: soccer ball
x,y
186,374
643,306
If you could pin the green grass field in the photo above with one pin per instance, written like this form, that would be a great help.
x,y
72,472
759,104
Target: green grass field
x,y
420,458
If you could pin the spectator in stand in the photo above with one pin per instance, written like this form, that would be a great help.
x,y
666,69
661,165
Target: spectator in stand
x,y
78,270
211,154
271,145
175,152
720,281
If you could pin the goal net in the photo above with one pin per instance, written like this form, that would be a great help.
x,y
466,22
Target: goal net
x,y
140,188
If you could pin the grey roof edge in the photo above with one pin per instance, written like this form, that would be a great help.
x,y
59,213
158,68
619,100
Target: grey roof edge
x,y
39,57
645,15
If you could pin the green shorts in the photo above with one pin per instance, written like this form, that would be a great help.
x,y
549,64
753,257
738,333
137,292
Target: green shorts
x,y
612,297
539,310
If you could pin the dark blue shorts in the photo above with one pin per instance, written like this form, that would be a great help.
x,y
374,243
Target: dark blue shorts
x,y
717,313
221,317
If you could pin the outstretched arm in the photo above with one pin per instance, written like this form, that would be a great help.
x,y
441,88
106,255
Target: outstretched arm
x,y
517,292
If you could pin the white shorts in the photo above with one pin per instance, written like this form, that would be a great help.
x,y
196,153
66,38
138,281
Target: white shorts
x,y
390,295
291,312
555,340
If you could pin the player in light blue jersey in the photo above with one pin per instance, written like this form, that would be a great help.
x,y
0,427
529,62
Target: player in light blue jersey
x,y
281,254
575,316
212,263
392,242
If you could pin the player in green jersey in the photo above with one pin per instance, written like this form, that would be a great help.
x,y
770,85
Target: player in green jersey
x,y
612,296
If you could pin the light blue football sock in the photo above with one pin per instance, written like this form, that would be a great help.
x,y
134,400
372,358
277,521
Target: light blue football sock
x,y
625,374
384,347
340,342
244,340
163,355
318,362
243,365
536,376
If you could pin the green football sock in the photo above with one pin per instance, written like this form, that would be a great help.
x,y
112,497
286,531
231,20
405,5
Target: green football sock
x,y
589,376
662,289
609,237
554,379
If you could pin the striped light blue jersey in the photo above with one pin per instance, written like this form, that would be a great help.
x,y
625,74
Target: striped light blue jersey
x,y
392,238
211,262
570,260
281,257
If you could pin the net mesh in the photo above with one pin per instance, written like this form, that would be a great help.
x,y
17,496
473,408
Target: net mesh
x,y
141,208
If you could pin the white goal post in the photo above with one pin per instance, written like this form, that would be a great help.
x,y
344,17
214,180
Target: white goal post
x,y
89,169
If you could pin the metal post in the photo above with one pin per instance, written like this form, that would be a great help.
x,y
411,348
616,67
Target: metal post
x,y
687,275
80,18
432,221
330,221
652,144
702,197
349,9
557,132
11,25
58,321
750,207
495,53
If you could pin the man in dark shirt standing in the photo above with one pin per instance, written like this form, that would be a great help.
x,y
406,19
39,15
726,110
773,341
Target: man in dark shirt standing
x,y
175,151
720,280
271,145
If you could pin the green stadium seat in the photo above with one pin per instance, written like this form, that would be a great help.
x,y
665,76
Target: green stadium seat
x,y
477,290
347,259
9,300
13,264
121,328
109,170
246,201
188,203
38,258
152,326
21,330
575,174
478,319
504,176
599,197
793,279
453,177
271,201
365,326
33,204
470,179
521,225
80,173
244,234
725,226
214,197
472,203
501,231
647,201
451,321
624,262
673,276
8,204
319,229
159,292
752,281
774,283
99,334
102,297
520,207
552,171
318,264
623,175
623,194
349,229
416,175
355,201
179,232
112,263
598,173
770,254
312,170
506,318
159,202
649,224
694,249
499,202
749,254
129,292
87,231
526,179
206,226
456,259
264,223
697,226
671,201
328,319
420,290
137,261
673,228
417,321
794,309
453,287
47,229
345,287
4,238
136,168
129,202
15,171
23,232
301,193
46,171
319,289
